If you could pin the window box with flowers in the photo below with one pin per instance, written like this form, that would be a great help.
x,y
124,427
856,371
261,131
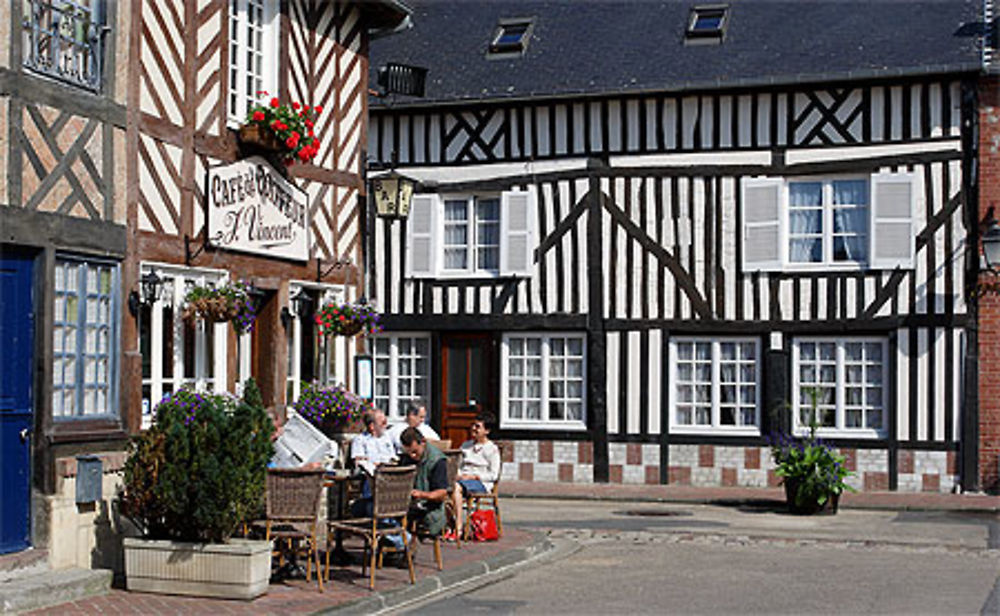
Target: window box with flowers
x,y
347,319
285,129
228,302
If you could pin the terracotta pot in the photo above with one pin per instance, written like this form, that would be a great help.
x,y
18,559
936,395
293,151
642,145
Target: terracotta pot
x,y
261,137
810,507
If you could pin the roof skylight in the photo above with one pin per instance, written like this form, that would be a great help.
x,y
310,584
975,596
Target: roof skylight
x,y
511,36
707,23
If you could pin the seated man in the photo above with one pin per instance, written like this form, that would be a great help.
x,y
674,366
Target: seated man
x,y
430,487
370,449
373,446
416,414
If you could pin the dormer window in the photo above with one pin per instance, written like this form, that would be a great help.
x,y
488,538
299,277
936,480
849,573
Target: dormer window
x,y
707,24
511,37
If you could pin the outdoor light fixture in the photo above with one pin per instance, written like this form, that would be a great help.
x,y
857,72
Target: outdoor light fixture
x,y
300,302
991,243
150,287
393,194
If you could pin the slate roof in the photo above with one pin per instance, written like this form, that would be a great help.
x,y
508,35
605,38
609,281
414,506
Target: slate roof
x,y
596,47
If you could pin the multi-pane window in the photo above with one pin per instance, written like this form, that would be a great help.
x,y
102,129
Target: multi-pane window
x,y
253,51
543,380
62,39
178,351
84,353
828,221
715,384
840,384
472,234
402,371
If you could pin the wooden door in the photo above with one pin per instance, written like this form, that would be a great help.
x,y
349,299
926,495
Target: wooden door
x,y
466,382
16,409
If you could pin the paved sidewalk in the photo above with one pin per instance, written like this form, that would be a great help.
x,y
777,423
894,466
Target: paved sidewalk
x,y
916,501
348,589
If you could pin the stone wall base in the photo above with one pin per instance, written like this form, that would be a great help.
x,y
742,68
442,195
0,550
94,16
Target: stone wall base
x,y
718,465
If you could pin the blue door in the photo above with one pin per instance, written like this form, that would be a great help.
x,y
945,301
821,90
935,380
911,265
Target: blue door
x,y
16,346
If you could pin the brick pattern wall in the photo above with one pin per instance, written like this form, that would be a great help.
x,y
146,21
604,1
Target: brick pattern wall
x,y
716,465
989,306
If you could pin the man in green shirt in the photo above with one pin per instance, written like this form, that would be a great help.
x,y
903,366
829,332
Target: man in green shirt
x,y
430,487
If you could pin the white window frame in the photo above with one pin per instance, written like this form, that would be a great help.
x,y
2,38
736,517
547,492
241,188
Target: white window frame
x,y
544,423
827,207
716,426
79,352
174,295
395,410
472,246
840,430
293,378
239,70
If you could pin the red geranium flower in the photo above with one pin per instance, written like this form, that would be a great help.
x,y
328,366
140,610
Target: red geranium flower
x,y
275,102
319,109
295,106
258,116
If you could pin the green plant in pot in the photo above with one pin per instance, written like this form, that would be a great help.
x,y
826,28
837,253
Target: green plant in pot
x,y
812,472
189,483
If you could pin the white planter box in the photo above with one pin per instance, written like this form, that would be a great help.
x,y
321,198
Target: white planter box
x,y
236,570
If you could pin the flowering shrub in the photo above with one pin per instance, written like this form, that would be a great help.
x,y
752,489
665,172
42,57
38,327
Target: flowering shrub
x,y
228,302
332,408
199,471
347,319
291,123
811,470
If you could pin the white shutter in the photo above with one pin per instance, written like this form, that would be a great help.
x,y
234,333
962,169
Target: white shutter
x,y
423,236
763,224
517,232
893,196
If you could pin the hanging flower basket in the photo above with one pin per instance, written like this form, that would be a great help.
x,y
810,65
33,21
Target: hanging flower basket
x,y
285,129
229,302
347,319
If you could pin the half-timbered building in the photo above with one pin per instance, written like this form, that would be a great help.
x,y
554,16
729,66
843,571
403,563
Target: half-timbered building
x,y
648,235
114,114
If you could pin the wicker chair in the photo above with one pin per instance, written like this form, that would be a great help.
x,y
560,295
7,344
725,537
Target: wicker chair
x,y
293,512
454,463
391,489
474,502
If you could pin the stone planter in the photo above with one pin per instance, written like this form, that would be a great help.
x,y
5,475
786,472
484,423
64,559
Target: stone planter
x,y
236,570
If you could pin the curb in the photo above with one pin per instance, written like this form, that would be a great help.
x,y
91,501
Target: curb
x,y
444,580
742,501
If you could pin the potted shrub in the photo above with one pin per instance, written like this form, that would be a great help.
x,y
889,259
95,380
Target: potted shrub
x,y
189,482
227,302
332,408
285,129
812,472
347,319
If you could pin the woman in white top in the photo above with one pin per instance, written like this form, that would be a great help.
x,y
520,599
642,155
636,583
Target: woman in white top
x,y
480,465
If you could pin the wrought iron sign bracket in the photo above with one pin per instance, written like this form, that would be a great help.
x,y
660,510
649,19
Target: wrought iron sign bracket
x,y
339,263
188,255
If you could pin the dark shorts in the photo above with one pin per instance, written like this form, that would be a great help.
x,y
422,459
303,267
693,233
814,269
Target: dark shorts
x,y
472,486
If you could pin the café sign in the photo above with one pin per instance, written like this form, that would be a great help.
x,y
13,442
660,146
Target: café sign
x,y
253,209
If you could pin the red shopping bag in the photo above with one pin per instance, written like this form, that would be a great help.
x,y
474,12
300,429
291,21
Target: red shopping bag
x,y
484,525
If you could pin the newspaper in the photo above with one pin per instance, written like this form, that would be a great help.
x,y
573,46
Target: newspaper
x,y
302,443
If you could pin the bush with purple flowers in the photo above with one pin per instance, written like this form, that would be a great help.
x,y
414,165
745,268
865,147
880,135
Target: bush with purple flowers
x,y
811,470
331,408
199,470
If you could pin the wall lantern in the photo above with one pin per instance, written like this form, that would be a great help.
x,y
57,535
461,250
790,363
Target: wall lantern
x,y
991,243
150,287
393,194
